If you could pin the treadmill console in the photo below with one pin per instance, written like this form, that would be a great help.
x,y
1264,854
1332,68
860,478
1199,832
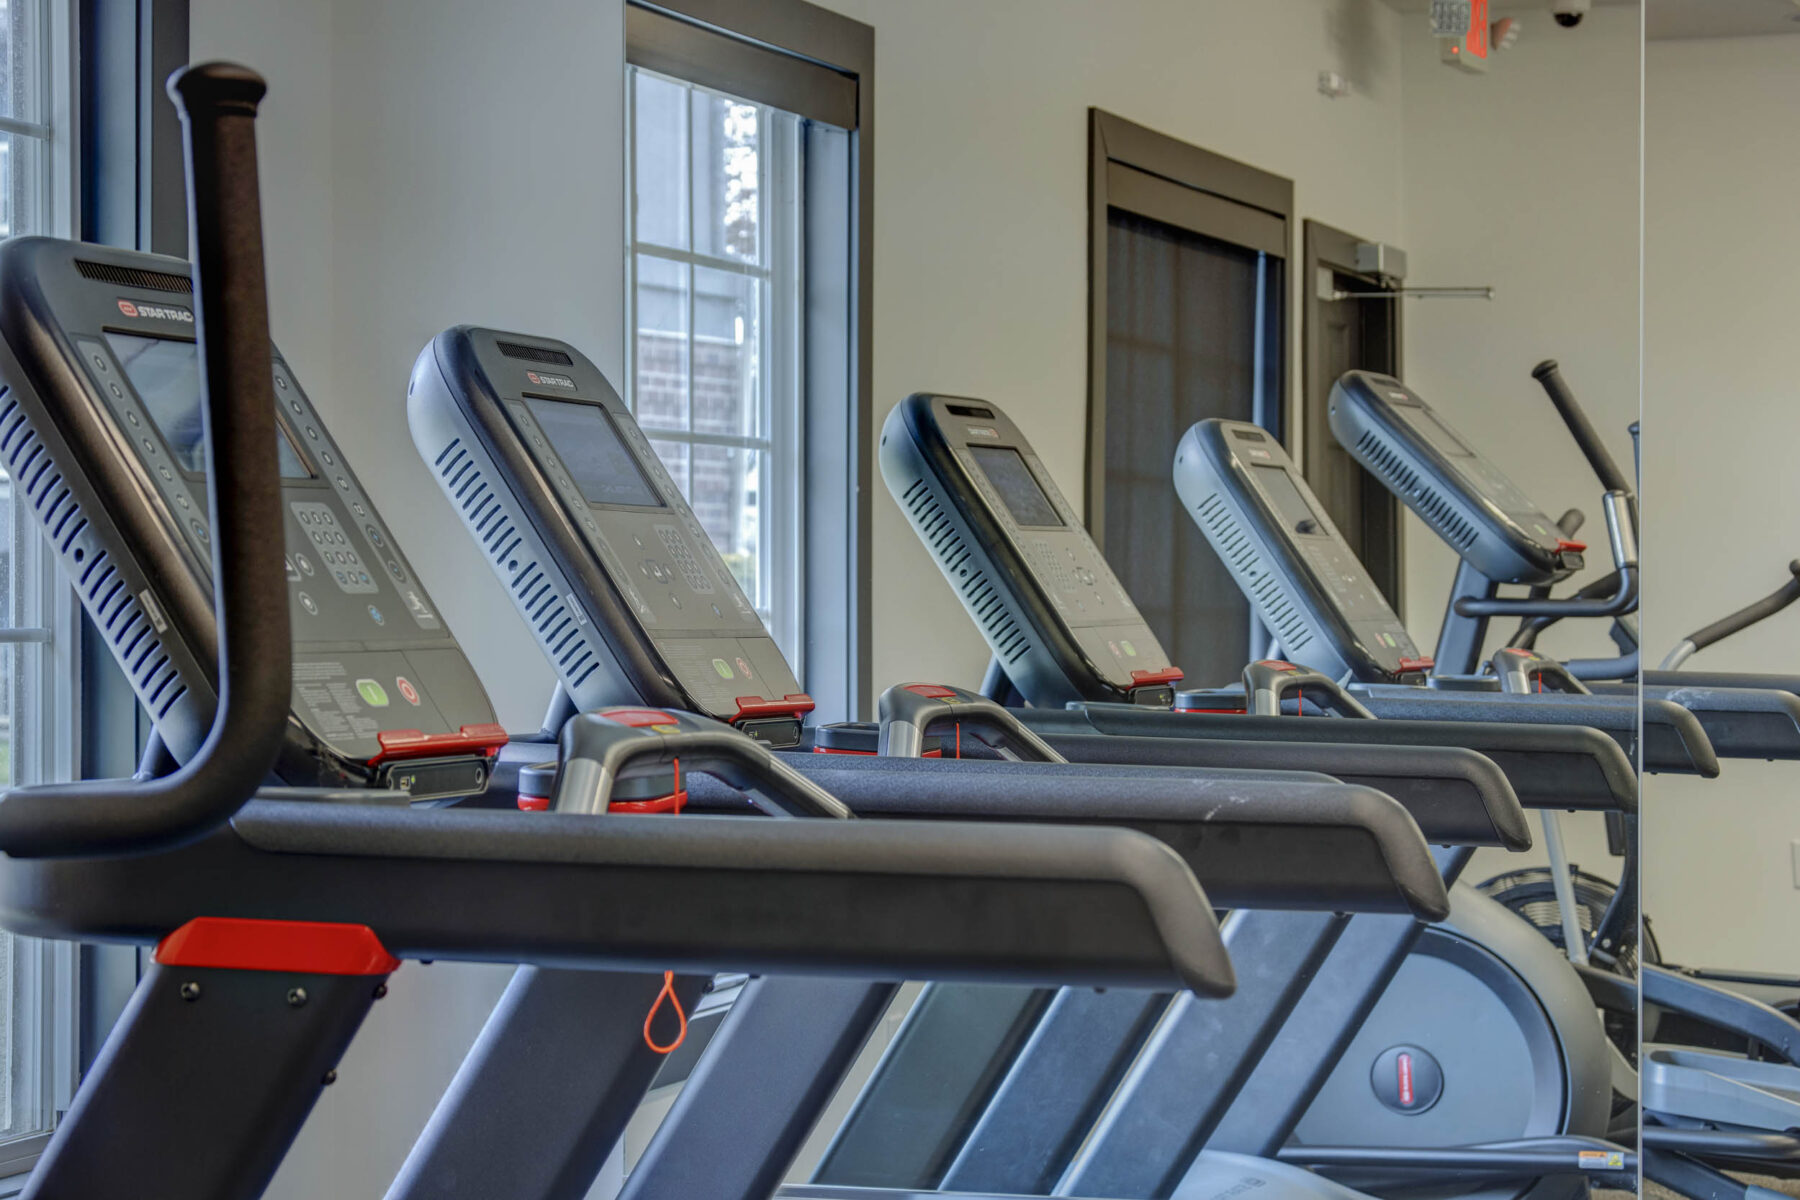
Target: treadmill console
x,y
1054,615
597,547
100,430
1462,496
1238,484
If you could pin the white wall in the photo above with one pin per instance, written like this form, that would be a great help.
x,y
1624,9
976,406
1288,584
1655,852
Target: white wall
x,y
425,163
1722,419
981,206
1525,179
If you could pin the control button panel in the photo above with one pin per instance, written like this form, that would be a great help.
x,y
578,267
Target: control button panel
x,y
332,545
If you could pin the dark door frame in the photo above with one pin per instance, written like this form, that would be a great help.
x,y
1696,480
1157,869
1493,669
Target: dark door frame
x,y
1150,174
1330,251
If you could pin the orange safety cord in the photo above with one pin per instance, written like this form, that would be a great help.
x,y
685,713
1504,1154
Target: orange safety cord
x,y
668,992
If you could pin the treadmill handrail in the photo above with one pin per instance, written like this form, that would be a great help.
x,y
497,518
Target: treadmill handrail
x,y
217,102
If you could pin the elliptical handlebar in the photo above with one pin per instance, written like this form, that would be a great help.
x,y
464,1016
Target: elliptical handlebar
x,y
1599,457
1738,621
217,102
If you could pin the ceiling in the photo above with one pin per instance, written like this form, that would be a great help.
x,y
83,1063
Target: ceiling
x,y
1666,20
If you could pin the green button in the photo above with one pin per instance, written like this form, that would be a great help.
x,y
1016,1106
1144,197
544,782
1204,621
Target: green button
x,y
1130,650
722,667
373,694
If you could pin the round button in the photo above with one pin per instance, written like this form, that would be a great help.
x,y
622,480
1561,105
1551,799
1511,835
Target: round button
x,y
1407,1079
325,457
100,362
118,393
304,563
375,615
308,604
312,431
375,538
199,530
281,381
168,475
675,600
131,419
295,406
182,500
396,570
342,483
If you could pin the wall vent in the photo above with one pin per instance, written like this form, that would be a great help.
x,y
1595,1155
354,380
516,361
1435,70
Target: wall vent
x,y
985,602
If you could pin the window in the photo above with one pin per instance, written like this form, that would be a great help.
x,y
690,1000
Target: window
x,y
713,303
37,611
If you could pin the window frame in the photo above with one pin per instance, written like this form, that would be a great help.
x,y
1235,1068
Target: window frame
x,y
816,63
781,545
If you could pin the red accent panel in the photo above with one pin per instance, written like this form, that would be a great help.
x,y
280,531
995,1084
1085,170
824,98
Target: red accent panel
x,y
533,803
310,947
638,718
1166,675
932,691
674,802
754,708
1421,663
1566,544
1280,664
485,740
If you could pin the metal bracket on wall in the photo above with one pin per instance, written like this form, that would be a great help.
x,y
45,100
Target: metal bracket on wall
x,y
1416,293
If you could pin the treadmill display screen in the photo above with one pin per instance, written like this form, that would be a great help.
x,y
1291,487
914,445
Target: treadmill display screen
x,y
1289,504
588,442
1435,432
165,373
1019,489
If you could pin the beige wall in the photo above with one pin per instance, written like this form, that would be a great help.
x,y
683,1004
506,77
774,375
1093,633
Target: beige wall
x,y
982,206
1722,405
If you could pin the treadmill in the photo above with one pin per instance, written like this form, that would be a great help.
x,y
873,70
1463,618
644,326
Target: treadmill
x,y
277,910
1064,634
575,513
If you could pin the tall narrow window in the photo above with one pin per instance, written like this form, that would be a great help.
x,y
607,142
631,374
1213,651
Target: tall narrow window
x,y
714,297
37,614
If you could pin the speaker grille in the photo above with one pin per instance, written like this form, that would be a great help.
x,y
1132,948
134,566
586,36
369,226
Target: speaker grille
x,y
548,614
985,602
155,281
117,613
1239,552
534,353
1433,507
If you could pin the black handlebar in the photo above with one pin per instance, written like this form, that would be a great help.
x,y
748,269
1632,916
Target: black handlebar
x,y
1611,478
217,102
1268,680
1750,614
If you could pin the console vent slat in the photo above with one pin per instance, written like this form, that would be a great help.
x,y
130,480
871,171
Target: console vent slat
x,y
1235,546
984,602
155,281
534,353
1434,508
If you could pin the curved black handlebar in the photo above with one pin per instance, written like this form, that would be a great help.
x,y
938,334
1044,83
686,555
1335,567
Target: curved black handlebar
x,y
1738,621
909,711
217,102
1583,431
1623,600
1268,680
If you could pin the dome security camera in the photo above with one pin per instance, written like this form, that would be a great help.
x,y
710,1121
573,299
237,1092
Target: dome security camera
x,y
1568,13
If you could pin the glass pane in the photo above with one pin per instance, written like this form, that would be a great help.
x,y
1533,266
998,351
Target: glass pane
x,y
727,178
659,168
727,498
21,185
726,356
661,353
